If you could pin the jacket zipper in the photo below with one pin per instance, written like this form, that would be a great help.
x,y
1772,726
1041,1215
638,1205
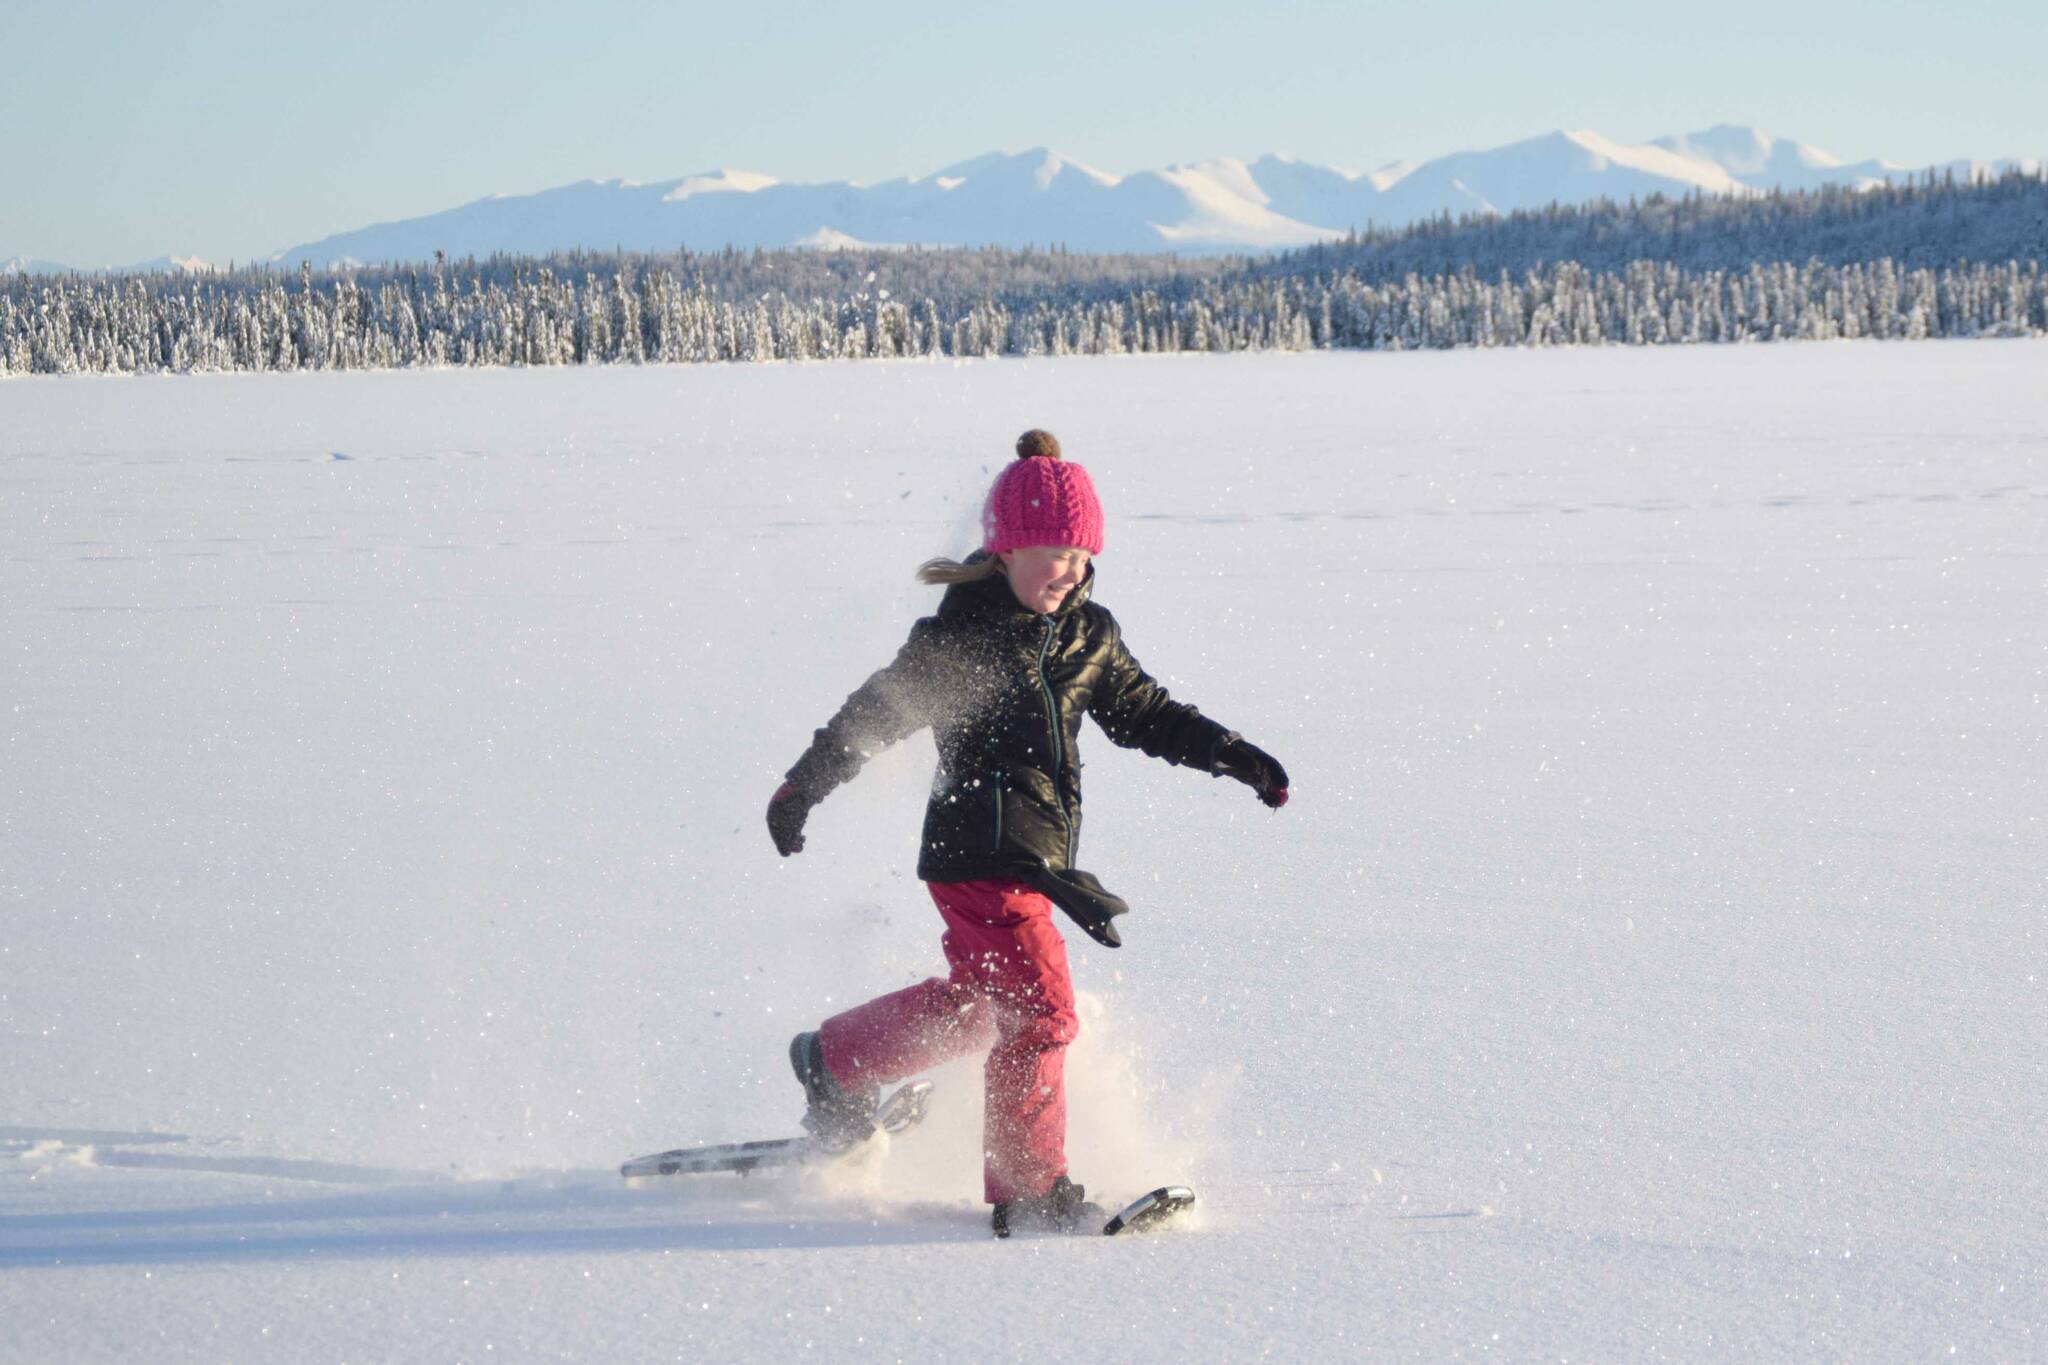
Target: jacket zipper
x,y
1052,726
998,845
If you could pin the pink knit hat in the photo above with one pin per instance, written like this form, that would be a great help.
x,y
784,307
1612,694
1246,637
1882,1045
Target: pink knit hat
x,y
1041,499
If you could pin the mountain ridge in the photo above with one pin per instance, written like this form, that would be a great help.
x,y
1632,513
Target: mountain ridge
x,y
1043,197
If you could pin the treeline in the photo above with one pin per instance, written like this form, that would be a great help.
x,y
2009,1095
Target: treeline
x,y
542,319
1931,222
1662,272
953,278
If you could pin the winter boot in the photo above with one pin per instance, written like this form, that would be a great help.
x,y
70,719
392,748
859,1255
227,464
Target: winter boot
x,y
1063,1208
837,1117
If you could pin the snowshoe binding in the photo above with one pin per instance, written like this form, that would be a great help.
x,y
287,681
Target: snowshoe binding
x,y
839,1118
1063,1208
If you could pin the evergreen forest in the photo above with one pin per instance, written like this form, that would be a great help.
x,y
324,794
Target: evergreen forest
x,y
1934,258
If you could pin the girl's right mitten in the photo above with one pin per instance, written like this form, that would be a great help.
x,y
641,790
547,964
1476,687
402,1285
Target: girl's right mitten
x,y
787,811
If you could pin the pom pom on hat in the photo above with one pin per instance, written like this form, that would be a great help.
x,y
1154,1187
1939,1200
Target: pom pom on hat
x,y
1041,499
1038,445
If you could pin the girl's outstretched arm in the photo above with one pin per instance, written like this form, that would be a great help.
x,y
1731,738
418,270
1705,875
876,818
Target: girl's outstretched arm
x,y
900,698
1136,712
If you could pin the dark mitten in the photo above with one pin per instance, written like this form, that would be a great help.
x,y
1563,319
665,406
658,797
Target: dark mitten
x,y
787,811
1254,767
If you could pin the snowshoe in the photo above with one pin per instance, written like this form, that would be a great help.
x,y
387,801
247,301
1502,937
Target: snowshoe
x,y
1150,1212
899,1114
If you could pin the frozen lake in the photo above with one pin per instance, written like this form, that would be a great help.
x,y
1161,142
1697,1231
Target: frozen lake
x,y
1650,964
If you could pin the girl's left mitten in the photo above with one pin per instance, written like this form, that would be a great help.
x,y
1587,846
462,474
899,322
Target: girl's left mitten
x,y
787,811
1256,768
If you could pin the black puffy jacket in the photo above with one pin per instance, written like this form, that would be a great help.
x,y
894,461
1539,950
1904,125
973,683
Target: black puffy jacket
x,y
1004,689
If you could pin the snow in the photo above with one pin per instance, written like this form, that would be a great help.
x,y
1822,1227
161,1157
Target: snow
x,y
174,265
1237,178
1651,159
1219,216
178,265
826,239
1749,152
1649,964
1393,173
719,182
1053,168
1765,161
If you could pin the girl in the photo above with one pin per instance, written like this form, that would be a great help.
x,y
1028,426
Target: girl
x,y
1016,655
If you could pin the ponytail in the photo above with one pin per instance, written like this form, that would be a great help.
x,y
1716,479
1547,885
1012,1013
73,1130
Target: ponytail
x,y
940,571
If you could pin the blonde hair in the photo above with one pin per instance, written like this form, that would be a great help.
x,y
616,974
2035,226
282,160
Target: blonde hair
x,y
944,570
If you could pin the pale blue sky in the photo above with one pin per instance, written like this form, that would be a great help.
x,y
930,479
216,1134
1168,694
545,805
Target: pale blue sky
x,y
234,129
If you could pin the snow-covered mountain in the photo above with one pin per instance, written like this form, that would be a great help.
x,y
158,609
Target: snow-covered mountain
x,y
186,265
1761,161
30,265
178,265
1037,196
1040,197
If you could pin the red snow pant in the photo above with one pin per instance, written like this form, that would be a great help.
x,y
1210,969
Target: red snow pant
x,y
1009,987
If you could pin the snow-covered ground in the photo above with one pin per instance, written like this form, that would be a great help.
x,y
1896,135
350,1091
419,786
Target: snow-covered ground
x,y
1650,964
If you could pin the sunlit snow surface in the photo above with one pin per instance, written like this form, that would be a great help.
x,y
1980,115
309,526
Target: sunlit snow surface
x,y
1650,964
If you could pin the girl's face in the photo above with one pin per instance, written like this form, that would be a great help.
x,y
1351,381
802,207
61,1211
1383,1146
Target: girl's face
x,y
1043,575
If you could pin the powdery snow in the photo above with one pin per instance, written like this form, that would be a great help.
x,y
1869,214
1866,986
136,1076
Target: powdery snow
x,y
1649,965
